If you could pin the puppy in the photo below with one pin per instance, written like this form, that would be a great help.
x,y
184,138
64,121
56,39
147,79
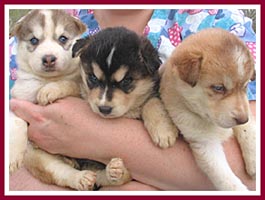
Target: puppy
x,y
120,78
203,88
48,72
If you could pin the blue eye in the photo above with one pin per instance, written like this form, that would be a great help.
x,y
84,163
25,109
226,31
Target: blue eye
x,y
34,41
218,88
63,39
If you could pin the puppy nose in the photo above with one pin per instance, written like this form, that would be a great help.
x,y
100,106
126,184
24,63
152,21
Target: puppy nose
x,y
48,61
105,109
241,120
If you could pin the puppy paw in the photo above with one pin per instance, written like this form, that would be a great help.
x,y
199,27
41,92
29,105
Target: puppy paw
x,y
116,171
48,94
85,180
251,169
246,137
165,137
17,142
158,124
16,157
16,161
249,156
163,141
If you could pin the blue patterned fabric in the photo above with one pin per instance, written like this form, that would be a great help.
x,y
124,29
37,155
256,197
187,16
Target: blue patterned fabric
x,y
167,28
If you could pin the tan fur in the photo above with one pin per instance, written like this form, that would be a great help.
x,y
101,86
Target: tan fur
x,y
121,102
114,174
96,69
120,74
136,104
161,129
53,169
205,116
40,86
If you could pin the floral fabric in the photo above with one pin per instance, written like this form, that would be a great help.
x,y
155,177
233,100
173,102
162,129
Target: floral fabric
x,y
167,28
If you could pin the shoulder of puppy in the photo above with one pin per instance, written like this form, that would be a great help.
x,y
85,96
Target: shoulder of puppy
x,y
149,55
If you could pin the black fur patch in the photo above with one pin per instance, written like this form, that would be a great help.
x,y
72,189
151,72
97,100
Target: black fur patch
x,y
131,50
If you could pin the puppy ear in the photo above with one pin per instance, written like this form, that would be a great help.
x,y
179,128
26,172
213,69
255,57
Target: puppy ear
x,y
149,56
188,65
80,27
79,46
16,29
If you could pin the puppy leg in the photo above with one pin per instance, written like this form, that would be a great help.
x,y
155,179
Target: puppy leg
x,y
246,136
114,174
158,123
56,90
52,169
211,159
17,141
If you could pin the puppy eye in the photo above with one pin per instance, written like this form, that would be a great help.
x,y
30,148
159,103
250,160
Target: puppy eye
x,y
126,82
34,41
63,39
218,88
93,79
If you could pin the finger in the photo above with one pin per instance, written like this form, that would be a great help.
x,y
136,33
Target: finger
x,y
26,110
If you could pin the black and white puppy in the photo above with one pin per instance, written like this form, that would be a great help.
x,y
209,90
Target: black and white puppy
x,y
120,78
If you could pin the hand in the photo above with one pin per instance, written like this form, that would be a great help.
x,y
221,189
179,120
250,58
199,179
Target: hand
x,y
60,127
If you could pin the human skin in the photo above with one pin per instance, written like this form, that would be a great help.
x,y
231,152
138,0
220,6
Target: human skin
x,y
55,127
112,18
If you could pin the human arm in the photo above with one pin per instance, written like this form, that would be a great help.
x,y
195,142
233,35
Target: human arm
x,y
70,128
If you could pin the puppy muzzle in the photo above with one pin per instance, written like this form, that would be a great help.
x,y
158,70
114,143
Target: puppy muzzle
x,y
105,110
48,61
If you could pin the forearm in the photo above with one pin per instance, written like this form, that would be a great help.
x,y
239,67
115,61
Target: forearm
x,y
168,169
69,127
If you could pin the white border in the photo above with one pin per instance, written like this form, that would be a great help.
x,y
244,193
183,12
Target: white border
x,y
135,193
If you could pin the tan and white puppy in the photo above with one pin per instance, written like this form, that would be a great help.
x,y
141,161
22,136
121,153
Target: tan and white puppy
x,y
203,87
48,72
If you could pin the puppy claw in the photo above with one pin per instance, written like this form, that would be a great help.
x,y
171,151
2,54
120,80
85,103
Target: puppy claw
x,y
116,171
164,142
16,164
165,139
16,157
48,94
85,180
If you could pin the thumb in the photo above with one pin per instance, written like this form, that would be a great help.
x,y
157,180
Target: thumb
x,y
25,109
